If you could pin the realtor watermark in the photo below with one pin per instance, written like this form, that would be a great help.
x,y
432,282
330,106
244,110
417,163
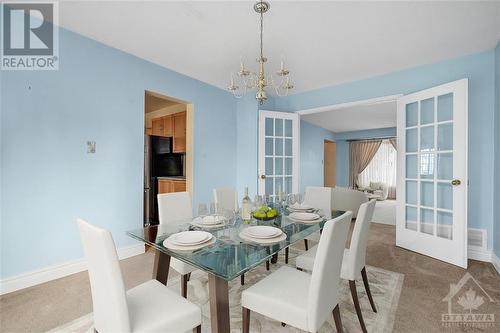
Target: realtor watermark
x,y
465,300
30,35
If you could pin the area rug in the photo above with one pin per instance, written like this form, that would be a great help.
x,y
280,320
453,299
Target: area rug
x,y
385,287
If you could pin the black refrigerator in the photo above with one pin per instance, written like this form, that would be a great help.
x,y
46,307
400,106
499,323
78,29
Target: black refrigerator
x,y
159,161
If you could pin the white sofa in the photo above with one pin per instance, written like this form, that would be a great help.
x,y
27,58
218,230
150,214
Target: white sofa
x,y
348,199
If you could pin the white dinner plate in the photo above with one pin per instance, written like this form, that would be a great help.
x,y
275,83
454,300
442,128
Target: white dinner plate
x,y
262,231
262,241
303,206
198,222
304,216
191,237
212,219
186,248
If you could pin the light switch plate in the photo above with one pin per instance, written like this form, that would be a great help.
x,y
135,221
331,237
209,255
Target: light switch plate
x,y
90,147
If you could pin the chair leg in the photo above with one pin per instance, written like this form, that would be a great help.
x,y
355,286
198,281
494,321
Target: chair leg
x,y
306,244
242,279
184,285
246,320
336,318
197,329
188,276
354,294
267,265
367,288
286,256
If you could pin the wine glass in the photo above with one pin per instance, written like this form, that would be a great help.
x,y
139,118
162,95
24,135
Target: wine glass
x,y
290,199
258,201
299,198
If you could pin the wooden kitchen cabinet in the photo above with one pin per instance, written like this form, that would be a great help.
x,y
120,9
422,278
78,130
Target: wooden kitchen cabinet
x,y
170,186
179,141
168,126
158,127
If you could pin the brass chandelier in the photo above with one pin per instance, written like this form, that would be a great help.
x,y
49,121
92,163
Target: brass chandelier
x,y
246,79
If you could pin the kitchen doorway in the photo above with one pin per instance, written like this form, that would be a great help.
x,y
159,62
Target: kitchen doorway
x,y
168,150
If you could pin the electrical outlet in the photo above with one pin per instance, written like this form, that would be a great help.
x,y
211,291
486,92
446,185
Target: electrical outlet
x,y
90,147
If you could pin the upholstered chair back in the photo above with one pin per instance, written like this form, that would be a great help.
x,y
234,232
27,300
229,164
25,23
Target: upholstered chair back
x,y
324,288
108,291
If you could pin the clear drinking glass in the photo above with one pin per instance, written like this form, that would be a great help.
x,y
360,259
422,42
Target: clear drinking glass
x,y
299,198
258,201
202,210
290,199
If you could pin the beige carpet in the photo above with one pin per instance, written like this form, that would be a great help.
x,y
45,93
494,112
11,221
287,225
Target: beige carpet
x,y
385,286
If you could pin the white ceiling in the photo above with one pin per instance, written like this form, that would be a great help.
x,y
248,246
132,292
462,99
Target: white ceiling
x,y
356,118
324,42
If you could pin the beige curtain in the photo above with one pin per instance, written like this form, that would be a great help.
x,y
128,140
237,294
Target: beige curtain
x,y
360,155
394,143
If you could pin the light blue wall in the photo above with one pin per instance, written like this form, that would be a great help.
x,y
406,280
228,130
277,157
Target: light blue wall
x,y
312,140
479,69
343,148
247,144
48,179
497,152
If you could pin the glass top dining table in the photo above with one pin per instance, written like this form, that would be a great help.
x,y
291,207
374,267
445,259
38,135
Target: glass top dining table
x,y
230,256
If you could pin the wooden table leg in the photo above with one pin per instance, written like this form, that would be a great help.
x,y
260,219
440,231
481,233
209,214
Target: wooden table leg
x,y
161,267
219,304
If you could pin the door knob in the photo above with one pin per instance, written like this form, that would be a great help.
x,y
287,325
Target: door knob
x,y
263,176
456,182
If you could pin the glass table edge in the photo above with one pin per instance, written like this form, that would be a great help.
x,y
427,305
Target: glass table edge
x,y
173,254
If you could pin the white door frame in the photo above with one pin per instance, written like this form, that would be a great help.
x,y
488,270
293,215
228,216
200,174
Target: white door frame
x,y
295,117
417,241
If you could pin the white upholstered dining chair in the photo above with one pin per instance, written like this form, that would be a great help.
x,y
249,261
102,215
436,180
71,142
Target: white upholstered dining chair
x,y
149,307
300,299
320,198
226,198
354,261
175,208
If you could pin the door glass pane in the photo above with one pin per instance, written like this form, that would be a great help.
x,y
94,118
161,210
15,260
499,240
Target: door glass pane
x,y
288,128
445,166
427,221
445,225
411,166
445,137
427,194
288,166
411,192
445,107
411,218
288,185
288,147
427,111
269,166
427,138
444,196
278,186
411,140
269,126
411,114
278,147
427,166
269,185
269,146
278,168
279,127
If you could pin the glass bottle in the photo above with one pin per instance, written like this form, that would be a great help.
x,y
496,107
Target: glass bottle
x,y
246,207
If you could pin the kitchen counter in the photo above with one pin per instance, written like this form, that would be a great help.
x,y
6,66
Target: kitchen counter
x,y
172,178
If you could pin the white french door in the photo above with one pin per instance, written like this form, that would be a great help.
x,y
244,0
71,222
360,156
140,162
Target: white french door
x,y
278,152
432,172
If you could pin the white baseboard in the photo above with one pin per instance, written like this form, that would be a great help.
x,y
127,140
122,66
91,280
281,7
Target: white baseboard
x,y
479,253
33,278
495,261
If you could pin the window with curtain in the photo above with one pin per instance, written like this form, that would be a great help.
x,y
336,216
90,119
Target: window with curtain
x,y
382,168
